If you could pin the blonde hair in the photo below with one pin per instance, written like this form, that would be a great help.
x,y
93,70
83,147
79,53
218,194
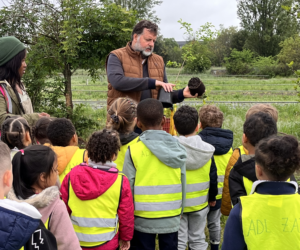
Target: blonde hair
x,y
211,116
4,158
265,108
121,115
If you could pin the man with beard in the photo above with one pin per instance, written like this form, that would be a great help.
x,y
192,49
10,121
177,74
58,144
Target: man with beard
x,y
135,72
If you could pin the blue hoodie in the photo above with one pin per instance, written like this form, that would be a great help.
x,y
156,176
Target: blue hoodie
x,y
169,151
18,221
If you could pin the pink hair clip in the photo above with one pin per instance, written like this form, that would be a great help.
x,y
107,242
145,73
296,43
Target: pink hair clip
x,y
22,151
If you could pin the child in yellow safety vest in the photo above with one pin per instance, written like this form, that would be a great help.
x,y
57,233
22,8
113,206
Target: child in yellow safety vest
x,y
242,175
201,180
241,150
122,118
98,197
64,142
269,217
35,182
155,167
211,121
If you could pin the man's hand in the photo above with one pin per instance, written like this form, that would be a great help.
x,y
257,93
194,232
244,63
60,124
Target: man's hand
x,y
212,203
43,115
187,93
168,87
124,245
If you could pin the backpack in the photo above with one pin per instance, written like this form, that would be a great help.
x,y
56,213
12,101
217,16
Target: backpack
x,y
41,239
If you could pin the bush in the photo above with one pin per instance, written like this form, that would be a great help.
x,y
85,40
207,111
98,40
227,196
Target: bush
x,y
171,64
239,62
264,66
196,57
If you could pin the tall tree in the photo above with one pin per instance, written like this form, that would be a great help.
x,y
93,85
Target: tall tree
x,y
63,36
267,24
143,8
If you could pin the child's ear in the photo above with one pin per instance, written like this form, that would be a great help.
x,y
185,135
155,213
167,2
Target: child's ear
x,y
27,139
244,139
8,178
200,125
163,121
139,124
259,172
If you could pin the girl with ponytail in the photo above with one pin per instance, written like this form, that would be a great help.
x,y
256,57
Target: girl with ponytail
x,y
122,118
16,134
269,217
35,178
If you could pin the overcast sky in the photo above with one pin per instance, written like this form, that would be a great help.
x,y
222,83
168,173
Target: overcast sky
x,y
196,12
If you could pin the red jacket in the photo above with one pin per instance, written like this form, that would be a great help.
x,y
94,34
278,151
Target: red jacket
x,y
89,183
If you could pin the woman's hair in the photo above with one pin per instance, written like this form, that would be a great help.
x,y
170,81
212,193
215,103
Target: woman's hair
x,y
40,130
279,156
13,132
102,145
28,166
10,70
121,115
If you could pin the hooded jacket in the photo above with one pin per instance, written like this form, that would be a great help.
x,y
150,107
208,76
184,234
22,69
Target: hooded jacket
x,y
18,223
90,182
48,203
222,140
64,156
169,151
198,154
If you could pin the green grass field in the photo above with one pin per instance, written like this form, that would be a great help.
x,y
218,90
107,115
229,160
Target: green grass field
x,y
218,89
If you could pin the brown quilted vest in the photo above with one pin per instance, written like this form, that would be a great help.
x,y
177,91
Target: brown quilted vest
x,y
133,67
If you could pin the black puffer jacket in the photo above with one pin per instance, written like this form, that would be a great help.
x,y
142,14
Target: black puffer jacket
x,y
221,139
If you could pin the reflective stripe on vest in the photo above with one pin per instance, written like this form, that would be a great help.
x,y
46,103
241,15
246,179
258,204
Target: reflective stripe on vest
x,y
96,221
121,155
271,221
197,188
77,159
221,164
157,188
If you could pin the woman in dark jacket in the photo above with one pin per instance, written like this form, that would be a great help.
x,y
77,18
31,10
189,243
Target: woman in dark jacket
x,y
14,99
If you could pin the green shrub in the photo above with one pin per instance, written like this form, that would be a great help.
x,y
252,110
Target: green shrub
x,y
171,64
239,62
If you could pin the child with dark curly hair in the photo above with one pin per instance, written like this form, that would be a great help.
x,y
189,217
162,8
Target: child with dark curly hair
x,y
122,118
98,197
40,130
269,217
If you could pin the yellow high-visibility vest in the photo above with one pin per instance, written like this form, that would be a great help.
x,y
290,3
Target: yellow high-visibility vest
x,y
221,164
271,221
77,159
121,155
96,221
242,150
197,188
157,188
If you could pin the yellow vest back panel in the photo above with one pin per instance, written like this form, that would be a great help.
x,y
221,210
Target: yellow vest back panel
x,y
157,188
221,164
271,221
77,159
96,221
121,155
197,188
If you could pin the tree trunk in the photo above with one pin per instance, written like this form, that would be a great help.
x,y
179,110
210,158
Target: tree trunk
x,y
68,87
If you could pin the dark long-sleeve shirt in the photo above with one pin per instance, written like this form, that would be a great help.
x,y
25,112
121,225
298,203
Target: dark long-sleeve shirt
x,y
120,82
213,187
